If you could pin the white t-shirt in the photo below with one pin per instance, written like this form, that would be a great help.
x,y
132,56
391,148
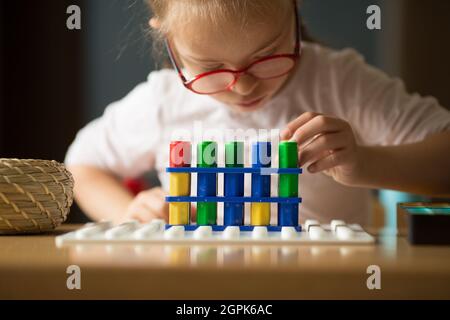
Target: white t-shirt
x,y
134,133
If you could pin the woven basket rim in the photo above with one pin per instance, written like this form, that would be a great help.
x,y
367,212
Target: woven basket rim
x,y
31,204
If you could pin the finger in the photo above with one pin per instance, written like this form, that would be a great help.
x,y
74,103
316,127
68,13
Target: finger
x,y
152,214
318,125
153,201
162,215
141,213
159,191
159,198
155,190
292,126
334,159
314,150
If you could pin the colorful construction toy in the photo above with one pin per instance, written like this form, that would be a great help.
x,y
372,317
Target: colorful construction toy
x,y
179,192
206,230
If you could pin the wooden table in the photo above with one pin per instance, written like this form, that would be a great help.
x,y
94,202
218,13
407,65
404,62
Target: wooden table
x,y
32,267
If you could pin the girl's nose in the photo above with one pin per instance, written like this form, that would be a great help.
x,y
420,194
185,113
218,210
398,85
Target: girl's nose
x,y
245,85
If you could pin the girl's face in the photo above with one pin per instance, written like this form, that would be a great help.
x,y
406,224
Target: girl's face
x,y
200,48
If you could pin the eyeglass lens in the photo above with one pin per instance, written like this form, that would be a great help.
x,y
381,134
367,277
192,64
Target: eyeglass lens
x,y
266,69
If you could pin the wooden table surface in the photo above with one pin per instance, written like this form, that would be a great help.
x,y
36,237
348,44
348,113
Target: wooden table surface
x,y
33,267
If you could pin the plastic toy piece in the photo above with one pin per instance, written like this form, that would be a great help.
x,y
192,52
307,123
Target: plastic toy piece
x,y
316,232
179,213
179,183
261,170
261,157
344,233
158,232
244,228
231,232
92,229
233,199
234,184
122,230
259,232
288,158
203,232
288,233
149,230
335,223
176,232
206,182
260,214
311,222
288,183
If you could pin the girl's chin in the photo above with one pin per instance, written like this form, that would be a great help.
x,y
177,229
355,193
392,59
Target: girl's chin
x,y
249,108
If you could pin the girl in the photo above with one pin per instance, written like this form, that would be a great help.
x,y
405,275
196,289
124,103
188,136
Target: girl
x,y
242,64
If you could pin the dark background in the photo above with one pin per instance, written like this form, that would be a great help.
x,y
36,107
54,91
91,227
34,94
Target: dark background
x,y
54,80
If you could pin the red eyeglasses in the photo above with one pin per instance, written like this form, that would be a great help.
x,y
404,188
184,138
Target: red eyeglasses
x,y
220,80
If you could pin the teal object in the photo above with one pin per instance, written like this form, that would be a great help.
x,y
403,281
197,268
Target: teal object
x,y
389,199
427,210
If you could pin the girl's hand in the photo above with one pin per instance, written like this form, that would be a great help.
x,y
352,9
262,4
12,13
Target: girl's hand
x,y
326,144
147,205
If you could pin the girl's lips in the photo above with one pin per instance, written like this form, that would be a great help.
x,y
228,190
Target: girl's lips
x,y
250,103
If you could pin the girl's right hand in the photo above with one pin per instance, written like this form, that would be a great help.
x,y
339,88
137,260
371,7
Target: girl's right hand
x,y
147,205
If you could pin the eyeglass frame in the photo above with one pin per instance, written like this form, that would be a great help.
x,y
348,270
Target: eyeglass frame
x,y
237,73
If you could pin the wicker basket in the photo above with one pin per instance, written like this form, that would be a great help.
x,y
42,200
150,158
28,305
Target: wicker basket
x,y
35,195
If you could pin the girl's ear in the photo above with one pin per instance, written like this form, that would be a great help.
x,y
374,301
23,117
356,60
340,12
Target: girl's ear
x,y
154,23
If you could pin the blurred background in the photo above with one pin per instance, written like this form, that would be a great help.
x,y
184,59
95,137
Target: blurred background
x,y
53,80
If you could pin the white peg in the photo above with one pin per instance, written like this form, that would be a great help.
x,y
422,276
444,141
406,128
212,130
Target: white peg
x,y
335,223
288,233
344,233
203,232
121,230
259,232
174,232
92,229
311,222
231,232
316,233
147,231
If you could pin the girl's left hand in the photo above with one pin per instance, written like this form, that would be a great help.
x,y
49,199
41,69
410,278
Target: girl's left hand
x,y
326,144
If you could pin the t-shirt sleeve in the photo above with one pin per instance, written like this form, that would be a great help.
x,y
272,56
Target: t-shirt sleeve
x,y
124,139
380,109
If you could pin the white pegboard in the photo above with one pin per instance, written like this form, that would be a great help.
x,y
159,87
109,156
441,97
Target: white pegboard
x,y
337,232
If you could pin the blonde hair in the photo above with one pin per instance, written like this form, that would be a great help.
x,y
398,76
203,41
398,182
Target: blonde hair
x,y
214,11
181,12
